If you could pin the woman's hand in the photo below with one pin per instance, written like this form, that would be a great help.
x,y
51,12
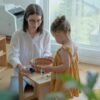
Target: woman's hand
x,y
23,69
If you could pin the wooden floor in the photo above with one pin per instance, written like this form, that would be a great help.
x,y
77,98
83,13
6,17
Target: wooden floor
x,y
89,67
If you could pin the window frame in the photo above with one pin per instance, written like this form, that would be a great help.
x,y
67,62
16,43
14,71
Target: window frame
x,y
86,54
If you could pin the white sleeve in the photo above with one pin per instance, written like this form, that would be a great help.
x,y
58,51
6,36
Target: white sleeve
x,y
47,46
13,55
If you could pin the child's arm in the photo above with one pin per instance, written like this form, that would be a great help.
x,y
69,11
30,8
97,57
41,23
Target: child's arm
x,y
58,69
65,63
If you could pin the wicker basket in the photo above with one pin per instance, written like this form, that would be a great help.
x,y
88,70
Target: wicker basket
x,y
41,62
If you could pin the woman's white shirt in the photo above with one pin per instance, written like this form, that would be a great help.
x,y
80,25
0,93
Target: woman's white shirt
x,y
23,48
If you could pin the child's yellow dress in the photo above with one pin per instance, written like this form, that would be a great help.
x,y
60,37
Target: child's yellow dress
x,y
57,85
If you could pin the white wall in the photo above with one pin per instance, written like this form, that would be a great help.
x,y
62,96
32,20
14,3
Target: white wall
x,y
1,1
23,3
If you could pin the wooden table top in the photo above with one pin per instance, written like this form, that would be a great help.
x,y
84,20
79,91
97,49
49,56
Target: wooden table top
x,y
40,79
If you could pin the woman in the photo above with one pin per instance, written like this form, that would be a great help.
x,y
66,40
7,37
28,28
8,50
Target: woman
x,y
31,42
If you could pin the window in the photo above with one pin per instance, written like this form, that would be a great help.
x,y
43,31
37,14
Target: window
x,y
84,16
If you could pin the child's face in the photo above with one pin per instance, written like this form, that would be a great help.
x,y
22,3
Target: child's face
x,y
60,37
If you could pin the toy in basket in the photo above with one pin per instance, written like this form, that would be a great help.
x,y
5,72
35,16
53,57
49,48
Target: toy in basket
x,y
41,62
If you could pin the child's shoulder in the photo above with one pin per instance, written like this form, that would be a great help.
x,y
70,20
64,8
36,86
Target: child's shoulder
x,y
58,50
63,50
72,47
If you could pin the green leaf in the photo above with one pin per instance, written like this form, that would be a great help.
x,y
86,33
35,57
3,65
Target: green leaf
x,y
65,77
55,95
91,79
71,84
89,93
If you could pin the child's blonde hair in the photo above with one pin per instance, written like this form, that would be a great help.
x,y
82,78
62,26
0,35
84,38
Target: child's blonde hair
x,y
60,24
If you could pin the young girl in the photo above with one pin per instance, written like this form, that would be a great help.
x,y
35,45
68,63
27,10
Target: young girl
x,y
66,58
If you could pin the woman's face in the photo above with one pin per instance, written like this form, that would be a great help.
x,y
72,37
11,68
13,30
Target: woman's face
x,y
60,37
34,21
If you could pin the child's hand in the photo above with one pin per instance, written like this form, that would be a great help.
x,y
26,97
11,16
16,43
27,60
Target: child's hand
x,y
46,68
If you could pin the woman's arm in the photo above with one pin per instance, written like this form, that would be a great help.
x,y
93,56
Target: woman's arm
x,y
13,55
